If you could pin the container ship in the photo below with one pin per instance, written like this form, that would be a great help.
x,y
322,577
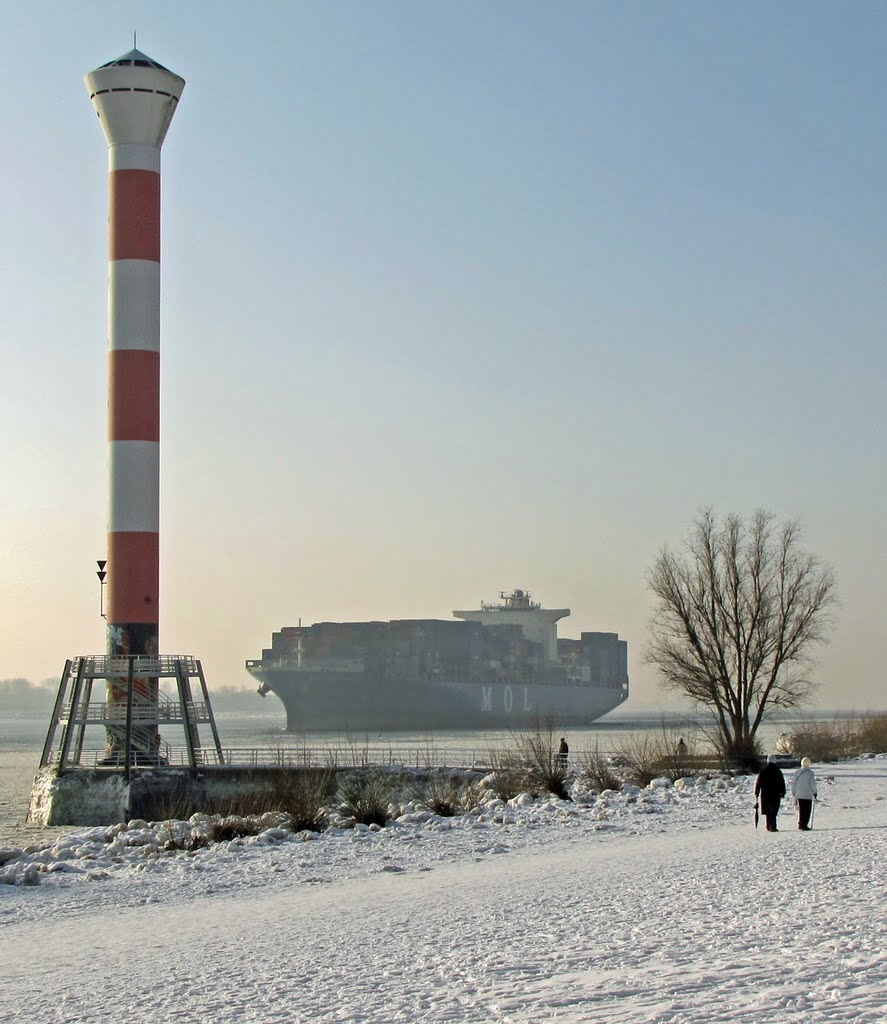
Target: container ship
x,y
499,666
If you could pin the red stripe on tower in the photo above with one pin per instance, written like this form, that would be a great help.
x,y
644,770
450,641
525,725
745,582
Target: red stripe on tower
x,y
133,395
134,215
136,602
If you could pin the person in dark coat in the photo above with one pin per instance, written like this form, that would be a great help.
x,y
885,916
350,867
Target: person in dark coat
x,y
562,752
770,789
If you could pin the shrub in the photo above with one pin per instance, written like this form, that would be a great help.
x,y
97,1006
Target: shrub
x,y
187,798
196,834
537,754
364,796
532,765
826,741
642,755
355,753
506,783
843,738
446,795
677,751
431,756
472,794
304,796
872,738
508,777
744,755
232,827
597,770
176,804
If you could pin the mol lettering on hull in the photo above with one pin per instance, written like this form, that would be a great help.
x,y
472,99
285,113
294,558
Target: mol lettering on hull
x,y
504,699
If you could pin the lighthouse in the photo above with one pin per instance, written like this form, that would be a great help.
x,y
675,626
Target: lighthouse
x,y
135,99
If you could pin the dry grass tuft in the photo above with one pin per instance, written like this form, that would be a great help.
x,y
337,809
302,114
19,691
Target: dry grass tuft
x,y
365,796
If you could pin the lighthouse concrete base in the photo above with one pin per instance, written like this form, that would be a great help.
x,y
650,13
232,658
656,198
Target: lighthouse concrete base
x,y
84,796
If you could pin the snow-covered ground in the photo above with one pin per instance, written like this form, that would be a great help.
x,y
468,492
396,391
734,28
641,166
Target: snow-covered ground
x,y
661,905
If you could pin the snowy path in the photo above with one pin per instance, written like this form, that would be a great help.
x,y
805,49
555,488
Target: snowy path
x,y
670,926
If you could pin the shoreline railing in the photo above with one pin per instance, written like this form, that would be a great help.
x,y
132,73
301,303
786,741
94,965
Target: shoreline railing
x,y
379,756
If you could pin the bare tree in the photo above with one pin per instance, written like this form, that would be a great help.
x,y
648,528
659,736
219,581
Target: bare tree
x,y
736,617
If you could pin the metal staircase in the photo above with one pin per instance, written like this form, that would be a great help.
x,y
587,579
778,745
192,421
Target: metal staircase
x,y
131,715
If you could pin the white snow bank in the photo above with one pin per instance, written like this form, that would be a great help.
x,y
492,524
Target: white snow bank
x,y
176,849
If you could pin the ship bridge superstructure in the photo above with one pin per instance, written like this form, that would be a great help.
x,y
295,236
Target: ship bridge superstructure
x,y
518,609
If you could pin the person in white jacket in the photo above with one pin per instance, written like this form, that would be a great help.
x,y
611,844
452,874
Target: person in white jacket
x,y
804,792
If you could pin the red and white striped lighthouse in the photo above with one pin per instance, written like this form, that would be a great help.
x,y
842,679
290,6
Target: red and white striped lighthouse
x,y
135,99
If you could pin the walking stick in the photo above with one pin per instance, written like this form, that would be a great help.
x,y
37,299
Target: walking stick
x,y
812,811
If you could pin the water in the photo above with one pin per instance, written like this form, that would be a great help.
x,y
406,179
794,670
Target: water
x,y
23,735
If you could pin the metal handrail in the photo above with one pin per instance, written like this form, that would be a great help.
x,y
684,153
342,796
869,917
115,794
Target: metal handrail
x,y
143,711
104,666
296,757
102,758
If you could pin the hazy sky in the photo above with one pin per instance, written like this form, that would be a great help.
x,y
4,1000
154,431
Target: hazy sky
x,y
457,297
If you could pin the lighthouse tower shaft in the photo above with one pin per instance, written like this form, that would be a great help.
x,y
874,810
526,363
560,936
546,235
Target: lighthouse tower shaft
x,y
135,99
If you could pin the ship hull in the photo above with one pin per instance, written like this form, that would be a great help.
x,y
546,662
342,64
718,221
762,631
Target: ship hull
x,y
355,701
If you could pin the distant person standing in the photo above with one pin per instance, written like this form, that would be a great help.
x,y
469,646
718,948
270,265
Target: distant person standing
x,y
804,792
770,789
784,744
562,751
681,748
